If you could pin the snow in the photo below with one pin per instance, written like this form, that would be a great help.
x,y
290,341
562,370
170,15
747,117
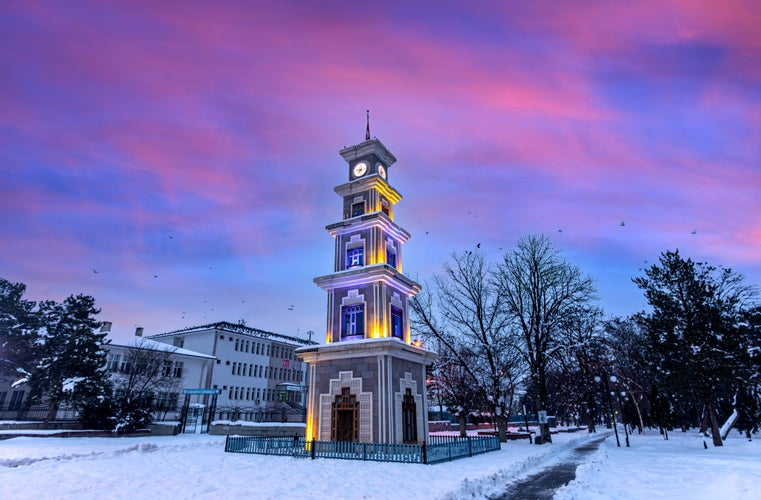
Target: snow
x,y
678,468
196,466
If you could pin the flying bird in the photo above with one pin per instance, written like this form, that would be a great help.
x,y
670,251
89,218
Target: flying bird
x,y
478,246
694,232
94,271
560,230
155,275
171,237
622,224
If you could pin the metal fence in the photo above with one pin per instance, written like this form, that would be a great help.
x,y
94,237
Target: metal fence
x,y
438,449
37,413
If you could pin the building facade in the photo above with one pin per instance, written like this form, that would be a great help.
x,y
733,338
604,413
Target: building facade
x,y
257,371
367,383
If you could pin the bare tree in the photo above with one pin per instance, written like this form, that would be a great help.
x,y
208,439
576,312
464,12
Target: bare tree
x,y
147,381
465,312
538,288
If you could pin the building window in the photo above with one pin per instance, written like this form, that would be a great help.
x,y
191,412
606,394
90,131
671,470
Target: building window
x,y
178,369
235,364
178,342
166,401
355,257
353,324
236,344
2,398
397,329
125,365
16,398
166,369
384,207
358,209
391,257
112,362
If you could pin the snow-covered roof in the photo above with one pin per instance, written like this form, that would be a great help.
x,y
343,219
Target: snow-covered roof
x,y
146,343
235,328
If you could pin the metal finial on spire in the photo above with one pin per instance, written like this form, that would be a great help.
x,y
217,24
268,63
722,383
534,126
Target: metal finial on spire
x,y
367,133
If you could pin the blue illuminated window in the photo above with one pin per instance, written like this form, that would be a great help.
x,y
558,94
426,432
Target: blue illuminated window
x,y
397,330
355,257
358,209
353,321
391,257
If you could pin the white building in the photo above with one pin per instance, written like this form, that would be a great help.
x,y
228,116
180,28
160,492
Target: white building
x,y
190,369
256,371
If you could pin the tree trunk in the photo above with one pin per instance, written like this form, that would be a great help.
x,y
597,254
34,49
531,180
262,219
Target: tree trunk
x,y
714,423
705,423
544,429
462,421
502,429
52,412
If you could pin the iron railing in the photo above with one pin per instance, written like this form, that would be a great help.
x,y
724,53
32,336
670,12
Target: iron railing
x,y
438,449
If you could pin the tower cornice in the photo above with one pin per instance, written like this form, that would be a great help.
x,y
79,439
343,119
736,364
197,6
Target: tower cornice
x,y
367,221
376,273
366,183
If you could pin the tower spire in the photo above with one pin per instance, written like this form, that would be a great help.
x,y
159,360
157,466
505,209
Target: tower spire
x,y
367,132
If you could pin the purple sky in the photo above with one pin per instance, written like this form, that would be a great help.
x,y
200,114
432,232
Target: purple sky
x,y
188,151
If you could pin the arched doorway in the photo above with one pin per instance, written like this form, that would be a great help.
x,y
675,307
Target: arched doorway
x,y
345,417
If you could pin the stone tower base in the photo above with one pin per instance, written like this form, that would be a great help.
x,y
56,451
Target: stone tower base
x,y
370,390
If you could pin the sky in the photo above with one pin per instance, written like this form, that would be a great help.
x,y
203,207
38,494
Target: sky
x,y
176,160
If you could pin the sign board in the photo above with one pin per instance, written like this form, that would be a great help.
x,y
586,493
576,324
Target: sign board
x,y
201,392
286,363
542,417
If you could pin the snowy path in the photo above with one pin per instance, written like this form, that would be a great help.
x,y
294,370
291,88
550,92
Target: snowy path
x,y
542,485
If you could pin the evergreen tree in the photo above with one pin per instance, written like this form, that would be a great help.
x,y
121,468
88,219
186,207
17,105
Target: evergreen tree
x,y
19,331
693,328
71,353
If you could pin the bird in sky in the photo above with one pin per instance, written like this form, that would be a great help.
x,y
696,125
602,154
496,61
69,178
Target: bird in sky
x,y
560,230
478,245
694,232
94,271
155,275
622,224
171,237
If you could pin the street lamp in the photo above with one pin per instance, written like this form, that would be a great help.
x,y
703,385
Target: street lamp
x,y
614,379
610,407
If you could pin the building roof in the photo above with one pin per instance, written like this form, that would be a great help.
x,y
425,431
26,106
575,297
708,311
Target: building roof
x,y
236,328
146,343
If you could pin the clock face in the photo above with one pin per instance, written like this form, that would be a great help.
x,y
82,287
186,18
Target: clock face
x,y
360,169
381,171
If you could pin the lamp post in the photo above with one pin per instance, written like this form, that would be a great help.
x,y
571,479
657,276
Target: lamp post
x,y
610,407
614,379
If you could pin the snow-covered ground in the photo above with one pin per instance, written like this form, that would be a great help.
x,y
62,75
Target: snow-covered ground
x,y
196,466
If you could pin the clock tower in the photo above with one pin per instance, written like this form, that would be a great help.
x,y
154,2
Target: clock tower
x,y
367,382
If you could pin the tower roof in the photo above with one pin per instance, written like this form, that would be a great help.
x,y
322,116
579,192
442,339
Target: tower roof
x,y
366,148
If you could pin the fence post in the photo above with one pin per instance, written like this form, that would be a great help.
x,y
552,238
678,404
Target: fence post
x,y
470,447
364,451
227,443
425,454
314,445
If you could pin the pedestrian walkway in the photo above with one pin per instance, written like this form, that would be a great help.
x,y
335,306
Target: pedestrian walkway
x,y
543,484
